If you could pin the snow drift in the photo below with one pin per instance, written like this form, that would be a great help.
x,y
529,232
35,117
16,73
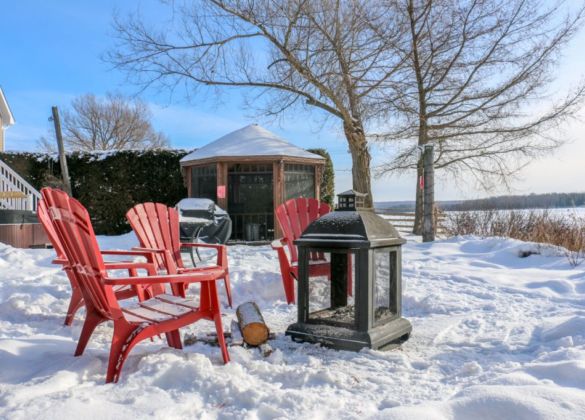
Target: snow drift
x,y
494,336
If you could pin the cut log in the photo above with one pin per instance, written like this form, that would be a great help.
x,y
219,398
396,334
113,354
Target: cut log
x,y
252,325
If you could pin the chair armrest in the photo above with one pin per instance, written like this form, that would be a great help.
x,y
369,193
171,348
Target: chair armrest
x,y
202,245
279,246
137,252
202,268
148,250
128,265
221,249
278,243
202,276
169,262
60,261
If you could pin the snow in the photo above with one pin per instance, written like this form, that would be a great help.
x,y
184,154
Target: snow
x,y
196,204
494,336
252,140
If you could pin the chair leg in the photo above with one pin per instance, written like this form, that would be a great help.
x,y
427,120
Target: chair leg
x,y
92,320
228,289
179,289
210,301
124,339
174,339
220,338
289,287
75,303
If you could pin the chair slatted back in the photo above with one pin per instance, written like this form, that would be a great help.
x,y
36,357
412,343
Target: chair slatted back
x,y
45,219
157,226
73,227
295,215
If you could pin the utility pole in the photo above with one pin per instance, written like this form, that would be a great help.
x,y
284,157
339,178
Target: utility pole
x,y
62,156
428,233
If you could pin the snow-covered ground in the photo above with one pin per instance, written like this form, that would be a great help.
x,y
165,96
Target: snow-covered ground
x,y
494,336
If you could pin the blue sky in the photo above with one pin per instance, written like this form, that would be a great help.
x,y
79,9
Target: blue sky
x,y
51,53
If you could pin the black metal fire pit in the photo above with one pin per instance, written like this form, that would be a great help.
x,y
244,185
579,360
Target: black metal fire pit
x,y
364,251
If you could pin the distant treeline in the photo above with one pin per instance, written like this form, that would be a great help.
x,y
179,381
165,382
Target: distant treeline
x,y
505,202
532,201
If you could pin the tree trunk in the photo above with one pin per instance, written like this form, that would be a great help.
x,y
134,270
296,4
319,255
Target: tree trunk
x,y
419,204
360,156
423,121
429,194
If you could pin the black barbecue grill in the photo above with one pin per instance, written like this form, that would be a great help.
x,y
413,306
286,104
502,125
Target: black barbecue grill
x,y
201,220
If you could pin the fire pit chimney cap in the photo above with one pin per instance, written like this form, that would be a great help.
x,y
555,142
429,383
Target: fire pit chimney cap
x,y
350,200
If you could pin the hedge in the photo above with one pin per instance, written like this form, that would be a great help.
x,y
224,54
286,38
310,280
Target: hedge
x,y
110,183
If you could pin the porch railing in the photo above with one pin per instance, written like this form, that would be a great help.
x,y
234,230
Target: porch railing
x,y
15,192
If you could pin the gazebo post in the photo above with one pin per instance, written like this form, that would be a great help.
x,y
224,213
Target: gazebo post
x,y
186,172
278,191
222,181
318,176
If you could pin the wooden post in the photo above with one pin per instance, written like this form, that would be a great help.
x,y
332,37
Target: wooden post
x,y
62,156
187,170
278,191
318,178
222,180
429,194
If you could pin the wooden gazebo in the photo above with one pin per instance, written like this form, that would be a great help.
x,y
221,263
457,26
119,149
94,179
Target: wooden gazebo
x,y
249,173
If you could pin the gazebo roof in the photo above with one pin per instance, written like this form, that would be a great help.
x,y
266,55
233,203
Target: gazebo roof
x,y
249,141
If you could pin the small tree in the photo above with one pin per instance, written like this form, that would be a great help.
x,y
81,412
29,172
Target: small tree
x,y
325,54
328,177
113,123
476,75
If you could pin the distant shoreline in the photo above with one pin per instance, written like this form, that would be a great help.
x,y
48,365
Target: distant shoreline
x,y
506,202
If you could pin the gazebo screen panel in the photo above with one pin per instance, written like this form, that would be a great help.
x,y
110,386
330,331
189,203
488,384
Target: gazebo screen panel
x,y
251,200
299,181
204,182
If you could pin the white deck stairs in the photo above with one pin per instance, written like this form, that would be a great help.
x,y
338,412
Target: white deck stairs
x,y
15,192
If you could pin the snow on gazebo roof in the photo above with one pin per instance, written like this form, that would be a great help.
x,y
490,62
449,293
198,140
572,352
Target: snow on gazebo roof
x,y
251,140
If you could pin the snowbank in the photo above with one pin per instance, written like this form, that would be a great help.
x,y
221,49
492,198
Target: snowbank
x,y
494,336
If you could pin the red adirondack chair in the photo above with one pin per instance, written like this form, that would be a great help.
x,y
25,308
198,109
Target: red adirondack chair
x,y
157,228
293,217
160,314
76,302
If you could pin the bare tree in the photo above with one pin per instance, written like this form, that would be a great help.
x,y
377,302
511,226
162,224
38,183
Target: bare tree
x,y
113,123
477,85
325,54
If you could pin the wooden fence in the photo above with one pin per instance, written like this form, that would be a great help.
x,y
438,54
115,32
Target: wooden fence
x,y
404,221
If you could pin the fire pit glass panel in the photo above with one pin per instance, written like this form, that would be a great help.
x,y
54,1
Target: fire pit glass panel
x,y
385,272
329,302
